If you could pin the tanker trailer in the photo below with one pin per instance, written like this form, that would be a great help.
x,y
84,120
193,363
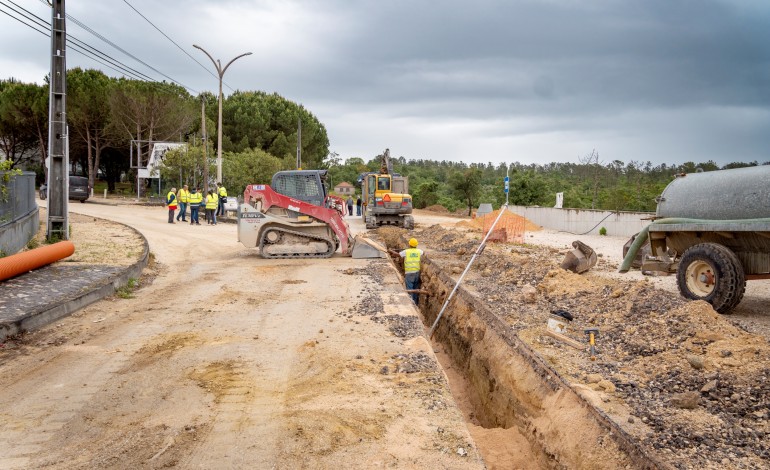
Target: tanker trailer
x,y
713,230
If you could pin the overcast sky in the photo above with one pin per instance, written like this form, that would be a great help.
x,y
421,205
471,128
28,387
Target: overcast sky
x,y
533,81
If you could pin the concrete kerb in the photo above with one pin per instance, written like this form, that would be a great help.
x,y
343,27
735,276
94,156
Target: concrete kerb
x,y
47,314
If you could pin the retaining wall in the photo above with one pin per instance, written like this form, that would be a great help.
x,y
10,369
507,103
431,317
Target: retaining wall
x,y
586,221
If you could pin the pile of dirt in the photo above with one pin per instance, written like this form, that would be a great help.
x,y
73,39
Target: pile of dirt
x,y
437,208
509,219
691,385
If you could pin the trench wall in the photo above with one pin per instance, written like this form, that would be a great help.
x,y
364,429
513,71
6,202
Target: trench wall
x,y
580,221
511,385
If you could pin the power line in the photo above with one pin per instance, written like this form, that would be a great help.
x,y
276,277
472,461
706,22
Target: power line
x,y
174,43
75,47
80,49
90,30
75,43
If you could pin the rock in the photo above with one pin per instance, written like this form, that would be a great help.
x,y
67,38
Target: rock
x,y
456,270
631,419
607,386
486,272
709,386
461,452
461,251
725,353
385,370
696,361
594,378
685,400
529,294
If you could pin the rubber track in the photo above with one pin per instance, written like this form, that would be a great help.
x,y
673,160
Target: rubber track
x,y
327,254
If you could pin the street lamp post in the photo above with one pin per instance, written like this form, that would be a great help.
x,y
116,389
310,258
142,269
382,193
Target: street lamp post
x,y
221,72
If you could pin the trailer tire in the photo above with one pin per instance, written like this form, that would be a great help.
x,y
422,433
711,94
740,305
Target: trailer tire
x,y
711,272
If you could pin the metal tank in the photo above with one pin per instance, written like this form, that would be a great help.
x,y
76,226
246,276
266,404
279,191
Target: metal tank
x,y
740,193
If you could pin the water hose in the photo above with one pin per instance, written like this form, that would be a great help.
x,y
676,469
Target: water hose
x,y
641,238
20,263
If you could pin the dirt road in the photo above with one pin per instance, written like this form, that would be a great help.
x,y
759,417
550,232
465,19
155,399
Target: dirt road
x,y
227,360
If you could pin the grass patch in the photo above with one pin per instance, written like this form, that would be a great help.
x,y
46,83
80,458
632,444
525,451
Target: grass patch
x,y
127,291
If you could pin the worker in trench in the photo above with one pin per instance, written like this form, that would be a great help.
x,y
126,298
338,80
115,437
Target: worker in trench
x,y
411,256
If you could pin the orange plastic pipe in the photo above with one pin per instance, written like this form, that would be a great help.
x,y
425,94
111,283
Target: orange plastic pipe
x,y
21,263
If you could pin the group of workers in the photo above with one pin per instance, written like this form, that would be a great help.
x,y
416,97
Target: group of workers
x,y
213,203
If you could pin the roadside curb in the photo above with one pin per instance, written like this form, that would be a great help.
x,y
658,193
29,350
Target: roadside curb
x,y
60,308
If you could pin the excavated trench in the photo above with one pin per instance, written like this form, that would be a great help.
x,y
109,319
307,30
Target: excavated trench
x,y
515,404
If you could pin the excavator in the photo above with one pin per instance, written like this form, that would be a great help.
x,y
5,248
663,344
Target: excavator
x,y
292,218
385,197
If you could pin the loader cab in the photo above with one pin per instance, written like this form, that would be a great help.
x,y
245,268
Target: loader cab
x,y
305,185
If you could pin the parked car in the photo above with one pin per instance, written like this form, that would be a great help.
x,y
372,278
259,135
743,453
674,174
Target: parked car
x,y
79,189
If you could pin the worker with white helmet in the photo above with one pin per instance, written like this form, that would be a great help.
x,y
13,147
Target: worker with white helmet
x,y
412,256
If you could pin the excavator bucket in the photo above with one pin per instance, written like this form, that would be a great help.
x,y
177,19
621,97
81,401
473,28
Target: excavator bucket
x,y
581,259
367,248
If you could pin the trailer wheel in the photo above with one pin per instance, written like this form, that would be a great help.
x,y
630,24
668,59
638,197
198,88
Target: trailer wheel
x,y
711,272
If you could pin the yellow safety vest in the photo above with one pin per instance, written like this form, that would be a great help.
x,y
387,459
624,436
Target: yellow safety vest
x,y
195,198
212,202
222,191
171,199
412,260
183,196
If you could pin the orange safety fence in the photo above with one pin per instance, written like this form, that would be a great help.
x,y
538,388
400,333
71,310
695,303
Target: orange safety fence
x,y
509,229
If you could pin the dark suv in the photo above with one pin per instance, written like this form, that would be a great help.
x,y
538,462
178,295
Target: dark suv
x,y
79,189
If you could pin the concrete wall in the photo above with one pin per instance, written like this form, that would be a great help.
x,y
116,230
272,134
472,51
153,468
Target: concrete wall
x,y
19,214
581,221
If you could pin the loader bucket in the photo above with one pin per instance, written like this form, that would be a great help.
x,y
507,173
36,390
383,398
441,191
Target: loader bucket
x,y
367,248
581,259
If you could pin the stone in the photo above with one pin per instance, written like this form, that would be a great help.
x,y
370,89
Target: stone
x,y
686,400
462,452
696,362
529,294
456,270
709,386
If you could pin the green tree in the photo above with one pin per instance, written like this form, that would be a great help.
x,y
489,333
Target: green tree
x,y
88,114
270,122
23,130
253,166
467,185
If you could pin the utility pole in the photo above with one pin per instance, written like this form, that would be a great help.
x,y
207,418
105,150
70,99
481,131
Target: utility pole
x,y
221,72
205,143
58,158
299,143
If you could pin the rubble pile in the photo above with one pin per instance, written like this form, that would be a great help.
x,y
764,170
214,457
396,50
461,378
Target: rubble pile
x,y
691,385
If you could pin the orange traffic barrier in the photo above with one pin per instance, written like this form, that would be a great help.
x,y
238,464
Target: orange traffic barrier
x,y
21,263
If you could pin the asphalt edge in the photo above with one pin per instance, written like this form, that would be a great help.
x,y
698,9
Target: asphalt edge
x,y
60,309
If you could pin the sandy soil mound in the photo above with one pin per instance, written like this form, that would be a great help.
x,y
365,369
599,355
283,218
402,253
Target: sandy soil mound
x,y
509,219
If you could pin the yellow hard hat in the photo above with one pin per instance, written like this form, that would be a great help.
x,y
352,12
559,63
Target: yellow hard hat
x,y
413,242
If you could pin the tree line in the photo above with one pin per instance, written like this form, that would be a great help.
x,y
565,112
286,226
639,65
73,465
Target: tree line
x,y
111,118
589,183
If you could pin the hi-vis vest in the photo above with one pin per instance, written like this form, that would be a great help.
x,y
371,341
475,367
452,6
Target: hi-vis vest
x,y
183,196
195,198
412,260
212,202
222,191
171,199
